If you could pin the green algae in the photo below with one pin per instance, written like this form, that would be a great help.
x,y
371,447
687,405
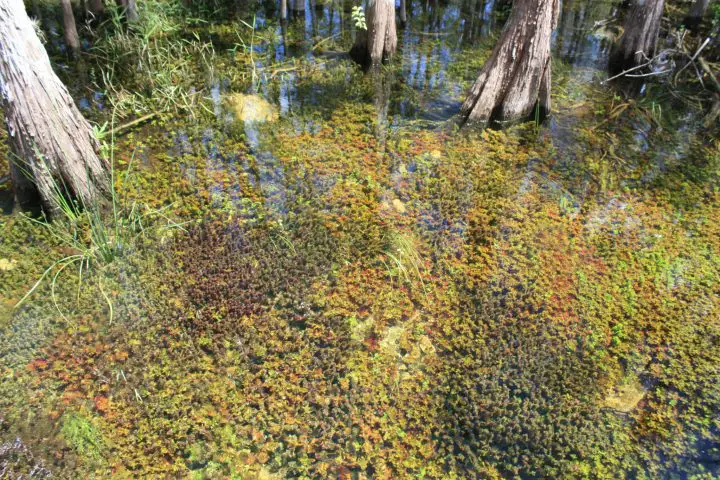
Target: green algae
x,y
82,436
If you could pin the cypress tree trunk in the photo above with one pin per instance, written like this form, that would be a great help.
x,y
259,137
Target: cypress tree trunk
x,y
52,144
639,40
403,13
132,11
130,7
72,40
516,77
283,9
696,14
379,41
97,8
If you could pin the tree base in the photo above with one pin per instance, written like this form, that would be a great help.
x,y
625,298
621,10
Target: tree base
x,y
378,43
514,83
638,42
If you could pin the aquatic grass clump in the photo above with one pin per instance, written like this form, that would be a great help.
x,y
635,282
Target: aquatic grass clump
x,y
405,260
94,235
150,66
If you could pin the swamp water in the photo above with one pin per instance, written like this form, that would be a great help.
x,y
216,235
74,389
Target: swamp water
x,y
332,282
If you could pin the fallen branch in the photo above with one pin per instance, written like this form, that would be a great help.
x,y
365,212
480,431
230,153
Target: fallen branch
x,y
331,37
127,126
692,59
625,72
640,75
714,113
706,68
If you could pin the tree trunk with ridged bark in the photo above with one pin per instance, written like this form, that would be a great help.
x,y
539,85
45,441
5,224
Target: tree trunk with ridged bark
x,y
97,8
298,6
516,78
51,143
72,40
130,8
640,36
132,11
696,14
379,42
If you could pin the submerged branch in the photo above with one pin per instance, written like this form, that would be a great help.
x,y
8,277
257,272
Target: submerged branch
x,y
119,130
713,78
625,72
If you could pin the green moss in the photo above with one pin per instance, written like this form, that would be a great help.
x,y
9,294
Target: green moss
x,y
82,436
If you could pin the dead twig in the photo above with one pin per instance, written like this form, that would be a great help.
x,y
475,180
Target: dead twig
x,y
119,130
651,74
625,72
692,59
706,68
714,112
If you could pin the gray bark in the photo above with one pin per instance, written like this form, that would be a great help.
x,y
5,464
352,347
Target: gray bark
x,y
132,11
639,40
51,143
130,8
516,78
379,42
283,9
696,14
96,7
72,40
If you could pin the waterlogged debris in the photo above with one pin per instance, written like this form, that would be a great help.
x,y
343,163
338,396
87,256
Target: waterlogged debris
x,y
624,398
252,108
608,32
391,341
17,461
7,264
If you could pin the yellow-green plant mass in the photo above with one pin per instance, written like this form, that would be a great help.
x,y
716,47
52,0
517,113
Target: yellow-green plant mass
x,y
363,294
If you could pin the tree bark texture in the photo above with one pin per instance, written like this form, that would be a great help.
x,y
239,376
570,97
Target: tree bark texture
x,y
516,77
130,7
51,143
696,14
97,8
639,40
379,42
72,40
283,10
132,11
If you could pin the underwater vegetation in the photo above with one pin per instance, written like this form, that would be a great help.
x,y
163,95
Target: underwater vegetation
x,y
356,290
435,306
